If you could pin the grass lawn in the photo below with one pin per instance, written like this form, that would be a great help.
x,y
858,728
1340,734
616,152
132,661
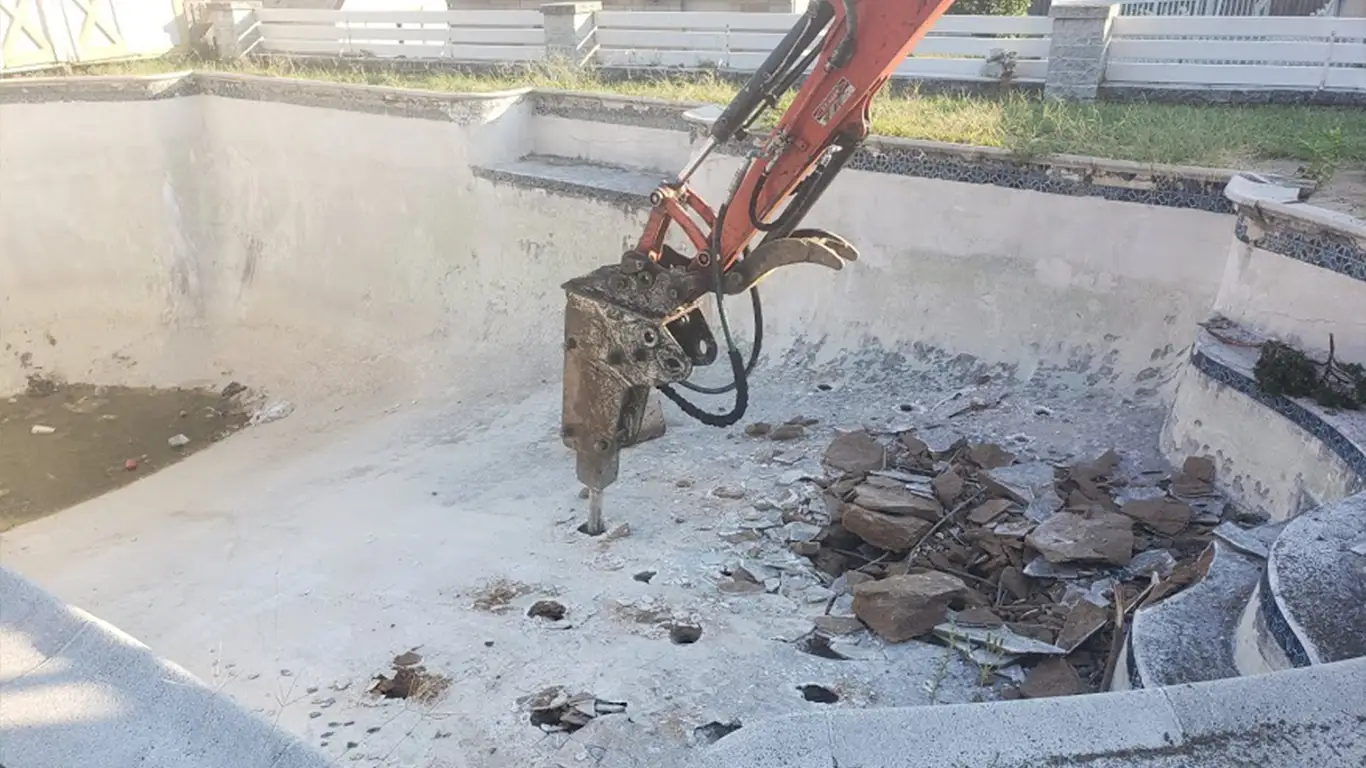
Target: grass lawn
x,y
1319,139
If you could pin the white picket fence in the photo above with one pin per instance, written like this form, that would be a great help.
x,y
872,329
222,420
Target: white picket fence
x,y
956,48
1303,52
468,36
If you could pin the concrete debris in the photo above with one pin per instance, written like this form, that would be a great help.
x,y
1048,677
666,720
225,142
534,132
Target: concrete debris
x,y
1040,568
555,709
1071,538
271,412
1014,529
856,452
410,681
900,608
990,456
178,441
799,531
42,429
758,429
1166,516
818,694
988,510
1044,505
729,492
233,389
785,432
948,486
1195,479
1054,677
1154,561
894,533
1246,541
838,625
684,632
1084,620
896,501
1020,483
1000,639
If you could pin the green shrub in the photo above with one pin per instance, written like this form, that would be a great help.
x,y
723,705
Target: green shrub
x,y
989,7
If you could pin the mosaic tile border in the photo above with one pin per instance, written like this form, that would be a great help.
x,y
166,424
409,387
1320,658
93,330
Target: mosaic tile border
x,y
974,166
1302,417
1278,625
1306,242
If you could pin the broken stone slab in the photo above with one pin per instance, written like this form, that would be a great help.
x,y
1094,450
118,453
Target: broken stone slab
x,y
729,492
1103,537
896,501
941,442
900,608
1014,582
1166,516
1154,561
799,531
988,510
948,486
896,533
999,639
1021,483
838,625
1083,620
982,657
1040,568
1053,677
990,456
1044,505
1138,493
1014,529
1196,477
856,452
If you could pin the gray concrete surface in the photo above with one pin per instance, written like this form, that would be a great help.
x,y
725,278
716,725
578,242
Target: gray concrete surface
x,y
76,691
1304,717
333,246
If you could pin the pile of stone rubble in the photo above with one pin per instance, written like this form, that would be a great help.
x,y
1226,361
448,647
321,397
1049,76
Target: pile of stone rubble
x,y
1030,569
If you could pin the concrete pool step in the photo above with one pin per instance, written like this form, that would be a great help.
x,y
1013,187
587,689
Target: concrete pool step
x,y
577,178
1313,595
1191,637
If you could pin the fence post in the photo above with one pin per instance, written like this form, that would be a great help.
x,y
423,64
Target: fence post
x,y
234,27
1077,48
571,31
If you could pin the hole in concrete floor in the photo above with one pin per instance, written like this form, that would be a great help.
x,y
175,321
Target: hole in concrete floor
x,y
817,644
715,731
585,531
685,634
547,609
906,407
819,694
644,576
824,387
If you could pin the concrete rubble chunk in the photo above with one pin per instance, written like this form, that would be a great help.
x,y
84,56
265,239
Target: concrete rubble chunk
x,y
990,456
897,501
1083,620
900,608
1158,561
785,432
1196,477
896,533
1014,529
856,452
838,625
1053,677
948,486
1166,516
1103,537
988,510
1015,582
799,531
1000,639
1021,483
1043,506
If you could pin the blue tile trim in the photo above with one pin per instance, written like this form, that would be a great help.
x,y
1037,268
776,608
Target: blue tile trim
x,y
1286,407
1277,625
1322,248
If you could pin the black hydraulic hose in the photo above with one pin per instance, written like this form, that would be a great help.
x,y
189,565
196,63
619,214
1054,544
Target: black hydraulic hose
x,y
753,353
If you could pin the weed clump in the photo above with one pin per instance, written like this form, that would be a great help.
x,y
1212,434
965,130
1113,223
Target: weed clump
x,y
1283,370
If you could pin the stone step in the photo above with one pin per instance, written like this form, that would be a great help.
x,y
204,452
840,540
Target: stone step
x,y
577,178
1190,638
1312,598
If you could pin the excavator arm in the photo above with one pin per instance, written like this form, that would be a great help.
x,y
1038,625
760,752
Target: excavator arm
x,y
636,325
